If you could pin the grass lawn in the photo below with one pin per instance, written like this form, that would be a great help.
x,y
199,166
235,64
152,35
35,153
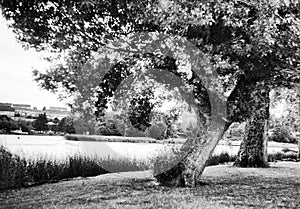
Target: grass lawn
x,y
223,186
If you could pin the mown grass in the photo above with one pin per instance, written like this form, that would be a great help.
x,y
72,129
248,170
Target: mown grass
x,y
222,187
20,172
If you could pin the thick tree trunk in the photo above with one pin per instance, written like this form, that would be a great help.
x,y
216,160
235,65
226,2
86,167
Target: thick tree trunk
x,y
195,153
298,129
253,149
299,149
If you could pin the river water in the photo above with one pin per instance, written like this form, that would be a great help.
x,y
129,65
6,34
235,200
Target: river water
x,y
57,147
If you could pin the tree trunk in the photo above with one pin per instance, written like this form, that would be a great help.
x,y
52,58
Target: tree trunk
x,y
253,149
299,149
194,155
298,128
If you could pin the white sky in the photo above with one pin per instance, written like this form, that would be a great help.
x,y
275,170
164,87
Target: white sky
x,y
16,66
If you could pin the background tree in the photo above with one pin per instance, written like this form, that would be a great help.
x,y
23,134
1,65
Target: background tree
x,y
66,125
140,109
108,128
40,124
25,126
158,130
7,124
56,120
84,127
169,120
285,118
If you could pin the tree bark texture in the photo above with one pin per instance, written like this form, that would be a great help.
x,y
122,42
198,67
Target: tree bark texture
x,y
195,153
253,149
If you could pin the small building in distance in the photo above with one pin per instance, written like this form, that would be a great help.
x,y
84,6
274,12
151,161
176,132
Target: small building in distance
x,y
57,112
58,109
7,109
28,113
24,111
22,106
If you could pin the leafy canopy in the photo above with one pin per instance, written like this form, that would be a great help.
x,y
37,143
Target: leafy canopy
x,y
248,42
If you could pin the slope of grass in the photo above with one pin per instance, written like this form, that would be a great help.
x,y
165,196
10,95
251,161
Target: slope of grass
x,y
223,186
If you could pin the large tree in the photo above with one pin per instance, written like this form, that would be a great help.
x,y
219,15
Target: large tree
x,y
253,46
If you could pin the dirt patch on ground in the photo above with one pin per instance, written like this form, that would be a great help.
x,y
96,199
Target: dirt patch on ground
x,y
222,186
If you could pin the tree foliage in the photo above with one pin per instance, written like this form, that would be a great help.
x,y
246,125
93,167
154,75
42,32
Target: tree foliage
x,y
7,124
40,124
285,117
247,41
66,125
140,109
83,126
286,108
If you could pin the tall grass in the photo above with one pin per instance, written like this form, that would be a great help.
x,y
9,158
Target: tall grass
x,y
19,172
100,138
279,156
224,157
